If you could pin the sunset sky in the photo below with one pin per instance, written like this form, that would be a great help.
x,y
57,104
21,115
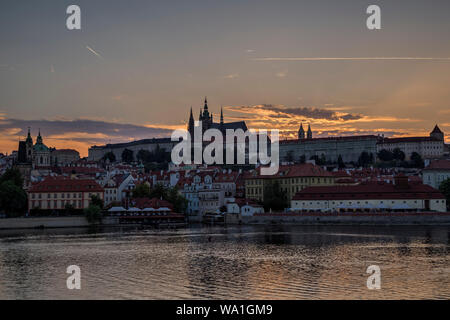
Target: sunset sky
x,y
137,66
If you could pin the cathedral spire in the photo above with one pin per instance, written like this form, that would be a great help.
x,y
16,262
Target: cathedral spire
x,y
29,138
301,132
206,104
221,115
39,137
309,134
191,121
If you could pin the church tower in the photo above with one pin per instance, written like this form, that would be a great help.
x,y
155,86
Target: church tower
x,y
29,147
301,132
39,138
309,134
205,117
437,133
191,124
41,153
221,116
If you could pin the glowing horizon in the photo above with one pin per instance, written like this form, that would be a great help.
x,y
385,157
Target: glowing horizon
x,y
133,71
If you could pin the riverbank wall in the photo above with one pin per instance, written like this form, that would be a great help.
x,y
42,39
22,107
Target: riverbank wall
x,y
425,218
52,222
350,219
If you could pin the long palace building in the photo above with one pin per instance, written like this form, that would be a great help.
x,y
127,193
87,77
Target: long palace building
x,y
351,147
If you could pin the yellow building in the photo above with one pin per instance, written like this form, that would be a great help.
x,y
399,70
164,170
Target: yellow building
x,y
291,179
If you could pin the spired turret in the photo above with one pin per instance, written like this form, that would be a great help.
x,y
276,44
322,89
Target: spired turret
x,y
191,123
29,147
309,134
437,133
205,117
301,132
29,138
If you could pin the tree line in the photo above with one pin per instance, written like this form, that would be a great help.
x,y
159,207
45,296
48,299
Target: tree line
x,y
386,158
13,198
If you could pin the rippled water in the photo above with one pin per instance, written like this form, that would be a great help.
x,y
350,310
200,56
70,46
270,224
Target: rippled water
x,y
248,262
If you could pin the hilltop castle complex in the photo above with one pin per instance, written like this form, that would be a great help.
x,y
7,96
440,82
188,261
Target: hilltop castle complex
x,y
205,117
349,148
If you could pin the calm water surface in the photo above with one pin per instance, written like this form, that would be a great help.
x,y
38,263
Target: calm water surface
x,y
247,262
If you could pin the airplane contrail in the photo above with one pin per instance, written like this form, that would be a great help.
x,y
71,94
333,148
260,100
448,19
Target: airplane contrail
x,y
94,52
352,59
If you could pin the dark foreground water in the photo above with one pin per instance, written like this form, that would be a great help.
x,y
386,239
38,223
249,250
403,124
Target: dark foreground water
x,y
248,262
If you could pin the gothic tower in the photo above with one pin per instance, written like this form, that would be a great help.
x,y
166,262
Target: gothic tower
x,y
309,134
191,124
205,117
29,147
301,132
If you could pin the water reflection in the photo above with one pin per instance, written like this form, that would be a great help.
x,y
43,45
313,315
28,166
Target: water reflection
x,y
239,262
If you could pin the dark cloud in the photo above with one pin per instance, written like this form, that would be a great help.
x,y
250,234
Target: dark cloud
x,y
343,132
114,132
312,113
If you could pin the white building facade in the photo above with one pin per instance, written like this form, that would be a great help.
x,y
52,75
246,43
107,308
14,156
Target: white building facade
x,y
371,196
436,173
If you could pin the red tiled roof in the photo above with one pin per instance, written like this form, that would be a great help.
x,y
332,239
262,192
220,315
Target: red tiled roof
x,y
80,170
369,191
438,165
119,178
242,202
154,203
292,171
184,180
341,174
226,177
345,180
62,184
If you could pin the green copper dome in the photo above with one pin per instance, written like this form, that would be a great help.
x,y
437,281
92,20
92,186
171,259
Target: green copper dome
x,y
40,147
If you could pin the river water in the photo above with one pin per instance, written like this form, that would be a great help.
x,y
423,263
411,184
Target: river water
x,y
241,262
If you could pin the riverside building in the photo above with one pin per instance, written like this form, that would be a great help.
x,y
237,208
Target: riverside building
x,y
291,179
402,195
